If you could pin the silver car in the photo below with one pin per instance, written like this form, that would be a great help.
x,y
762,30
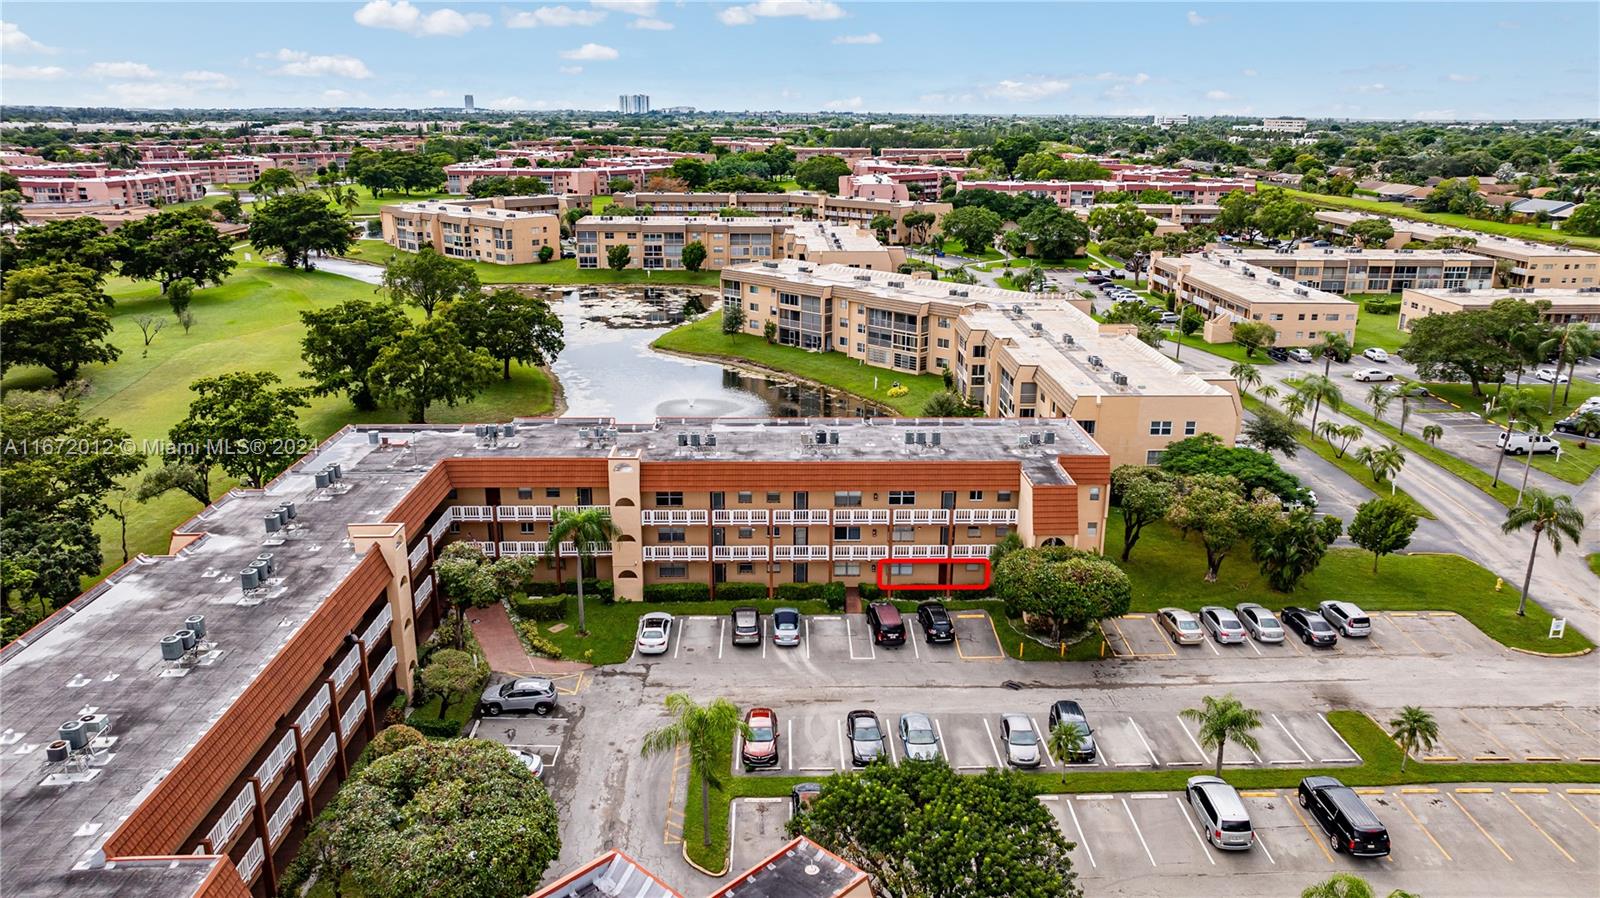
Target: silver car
x,y
1345,617
1021,739
530,760
527,694
786,627
866,737
1261,623
1221,623
918,737
655,633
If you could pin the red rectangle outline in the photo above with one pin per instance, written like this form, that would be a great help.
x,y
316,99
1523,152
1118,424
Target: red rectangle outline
x,y
988,575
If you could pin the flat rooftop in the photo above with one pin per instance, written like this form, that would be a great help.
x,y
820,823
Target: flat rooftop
x,y
757,222
820,236
465,210
1495,244
802,869
1348,253
1250,283
1557,298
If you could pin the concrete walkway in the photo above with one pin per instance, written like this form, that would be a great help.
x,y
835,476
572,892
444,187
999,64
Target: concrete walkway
x,y
504,652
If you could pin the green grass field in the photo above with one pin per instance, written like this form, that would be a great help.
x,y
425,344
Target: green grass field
x,y
1382,331
370,205
704,338
250,323
561,271
1594,563
1398,210
1575,465
955,248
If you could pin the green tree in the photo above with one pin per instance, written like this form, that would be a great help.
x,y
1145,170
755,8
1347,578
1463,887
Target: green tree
x,y
1456,196
1413,728
921,829
1205,454
1272,431
120,155
1382,526
703,730
229,209
1339,436
881,225
449,674
1384,461
1519,406
1475,344
274,181
948,404
1066,740
1551,516
917,225
427,279
1340,885
429,364
1380,397
1245,374
1145,495
1224,720
176,474
694,255
1238,214
1431,433
972,227
546,253
1318,390
618,257
1254,335
1566,346
1070,593
1218,510
1370,232
465,581
1289,547
821,173
769,331
172,246
180,293
243,422
732,317
590,530
298,225
342,342
510,325
55,316
391,739
82,242
455,817
1584,220
692,172
1124,221
1282,217
1053,234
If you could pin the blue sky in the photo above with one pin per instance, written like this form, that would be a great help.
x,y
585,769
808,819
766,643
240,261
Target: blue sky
x,y
1351,59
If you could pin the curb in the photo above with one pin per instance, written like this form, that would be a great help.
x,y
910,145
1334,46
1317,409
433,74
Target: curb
x,y
702,870
1578,654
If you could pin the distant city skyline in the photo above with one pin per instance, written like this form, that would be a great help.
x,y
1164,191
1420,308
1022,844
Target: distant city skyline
x,y
1197,59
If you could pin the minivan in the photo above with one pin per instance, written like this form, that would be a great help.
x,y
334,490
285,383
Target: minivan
x,y
1351,826
883,620
1221,812
746,625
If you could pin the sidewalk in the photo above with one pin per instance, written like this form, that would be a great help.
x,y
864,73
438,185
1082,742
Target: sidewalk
x,y
503,650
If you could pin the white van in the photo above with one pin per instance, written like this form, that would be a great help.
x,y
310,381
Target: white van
x,y
1524,443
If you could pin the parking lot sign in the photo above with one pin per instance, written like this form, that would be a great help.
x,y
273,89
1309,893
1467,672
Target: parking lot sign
x,y
1558,627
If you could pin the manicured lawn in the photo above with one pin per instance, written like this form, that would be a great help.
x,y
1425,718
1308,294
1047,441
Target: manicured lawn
x,y
713,856
250,323
1233,352
612,626
561,271
1575,465
1167,569
1594,564
789,186
371,205
955,248
704,338
1382,331
599,204
1397,210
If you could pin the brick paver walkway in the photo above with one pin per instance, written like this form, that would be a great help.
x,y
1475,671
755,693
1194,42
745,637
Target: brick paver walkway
x,y
504,651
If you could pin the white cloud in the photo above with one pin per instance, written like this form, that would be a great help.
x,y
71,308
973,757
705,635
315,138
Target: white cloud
x,y
553,17
1196,20
336,96
1249,73
120,70
1461,79
204,78
301,64
572,70
1218,95
849,104
150,94
815,10
591,53
1377,87
649,24
1028,91
400,15
14,40
870,37
642,8
31,72
1134,79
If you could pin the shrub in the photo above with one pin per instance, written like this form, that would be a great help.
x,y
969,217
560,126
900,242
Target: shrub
x,y
537,644
1382,306
741,592
833,595
869,592
539,608
895,392
396,712
677,592
592,589
393,739
800,592
444,637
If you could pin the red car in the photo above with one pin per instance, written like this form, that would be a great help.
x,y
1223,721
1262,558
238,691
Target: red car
x,y
761,745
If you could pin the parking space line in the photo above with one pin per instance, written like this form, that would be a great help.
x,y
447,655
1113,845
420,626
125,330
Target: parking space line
x,y
990,621
1212,645
1081,839
1252,644
1408,636
1171,649
1574,724
1301,748
1204,848
1263,843
677,631
763,639
1044,742
1492,738
1457,802
667,837
1531,822
911,637
1140,733
939,728
844,760
808,639
1198,750
722,635
1138,832
1586,817
1321,842
1000,764
1559,751
1425,831
788,752
1354,755
893,755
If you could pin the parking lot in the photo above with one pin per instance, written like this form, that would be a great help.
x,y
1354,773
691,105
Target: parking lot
x,y
830,639
1563,734
543,736
1418,633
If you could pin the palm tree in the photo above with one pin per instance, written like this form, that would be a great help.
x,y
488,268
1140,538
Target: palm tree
x,y
1524,343
1267,391
1246,374
1340,885
1384,463
1573,342
1553,516
1294,405
1582,342
1414,728
1519,405
1066,740
589,529
1224,720
1317,390
1431,434
1404,389
1587,423
1332,346
703,729
1380,397
120,155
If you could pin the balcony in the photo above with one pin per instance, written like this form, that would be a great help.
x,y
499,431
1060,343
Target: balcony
x,y
594,550
800,517
971,551
378,627
739,553
525,512
312,715
920,551
674,517
233,819
576,509
279,822
250,864
800,553
856,516
418,555
268,772
352,715
676,553
739,516
473,512
384,668
318,766
976,516
486,548
859,553
521,547
421,594
446,518
347,668
922,515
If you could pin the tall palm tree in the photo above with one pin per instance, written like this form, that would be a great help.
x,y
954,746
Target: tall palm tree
x,y
1340,885
1246,374
1554,517
1431,434
1267,391
1294,405
1524,343
1318,389
1572,342
1518,405
1384,462
1404,389
1380,397
1224,720
702,729
1066,740
120,155
1582,341
1414,728
1332,346
589,530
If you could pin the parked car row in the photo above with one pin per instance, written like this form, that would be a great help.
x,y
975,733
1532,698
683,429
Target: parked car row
x,y
884,622
1320,628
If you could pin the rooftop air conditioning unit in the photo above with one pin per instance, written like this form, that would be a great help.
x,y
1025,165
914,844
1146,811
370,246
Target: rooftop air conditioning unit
x,y
1273,282
1095,361
1118,378
1038,328
1049,436
1066,340
863,277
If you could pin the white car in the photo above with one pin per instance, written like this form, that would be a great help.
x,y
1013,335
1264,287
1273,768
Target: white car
x,y
1550,376
1374,354
1368,374
530,760
655,633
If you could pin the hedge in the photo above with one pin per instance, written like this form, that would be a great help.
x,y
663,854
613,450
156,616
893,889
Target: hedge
x,y
800,592
592,588
677,592
1382,306
540,608
741,592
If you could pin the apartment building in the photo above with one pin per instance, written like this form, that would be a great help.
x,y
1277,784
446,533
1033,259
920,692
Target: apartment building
x,y
657,241
1069,194
1284,125
117,188
1155,212
1537,265
501,231
1168,121
868,178
841,210
222,170
582,182
948,155
874,187
307,162
1355,270
848,154
1558,306
1230,289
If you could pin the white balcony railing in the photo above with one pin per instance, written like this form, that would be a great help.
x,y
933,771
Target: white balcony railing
x,y
421,592
521,547
799,553
384,668
858,516
917,551
674,517
446,518
474,512
352,715
318,766
347,668
250,864
922,515
986,516
312,715
487,548
675,553
738,553
378,627
268,772
595,550
859,553
525,512
284,815
800,517
739,516
971,551
575,509
418,555
233,819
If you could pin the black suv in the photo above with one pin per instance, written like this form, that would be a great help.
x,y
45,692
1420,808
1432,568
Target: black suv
x,y
1310,626
746,625
935,622
1277,355
1071,714
1351,826
883,619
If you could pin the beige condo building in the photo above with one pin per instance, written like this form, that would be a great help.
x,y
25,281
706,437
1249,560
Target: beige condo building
x,y
1230,290
855,211
1530,264
1570,306
1355,270
501,231
657,241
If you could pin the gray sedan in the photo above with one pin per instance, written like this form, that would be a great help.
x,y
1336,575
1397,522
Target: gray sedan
x,y
1021,739
1261,623
918,737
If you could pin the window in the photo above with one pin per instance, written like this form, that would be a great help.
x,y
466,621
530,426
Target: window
x,y
1094,527
846,569
847,499
974,532
525,527
1003,496
901,570
902,497
1094,494
455,526
1188,428
1152,457
904,534
552,492
524,492
1160,428
847,534
1001,531
746,567
672,571
745,498
747,533
671,535
974,495
773,498
669,500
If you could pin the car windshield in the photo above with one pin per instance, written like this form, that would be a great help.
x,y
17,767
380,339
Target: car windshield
x,y
1319,625
867,730
1359,622
1187,625
761,734
1235,826
1024,736
919,736
787,621
507,688
744,619
1267,621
